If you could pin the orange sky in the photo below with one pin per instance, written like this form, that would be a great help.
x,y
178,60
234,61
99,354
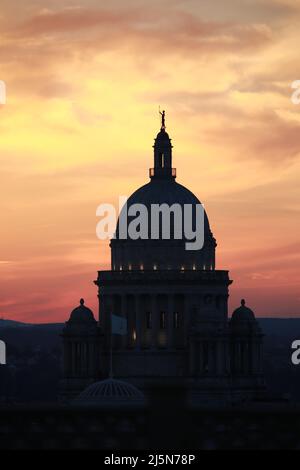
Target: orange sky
x,y
84,81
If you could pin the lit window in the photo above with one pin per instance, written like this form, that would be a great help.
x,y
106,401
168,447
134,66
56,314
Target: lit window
x,y
182,268
194,267
121,268
161,160
176,320
129,267
134,335
148,320
162,320
142,267
155,267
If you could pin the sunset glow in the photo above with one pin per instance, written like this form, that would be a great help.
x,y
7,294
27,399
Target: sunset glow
x,y
84,82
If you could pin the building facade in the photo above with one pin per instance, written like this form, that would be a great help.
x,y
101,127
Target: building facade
x,y
175,302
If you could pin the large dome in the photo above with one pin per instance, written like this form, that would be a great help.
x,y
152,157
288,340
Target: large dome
x,y
111,393
161,253
163,191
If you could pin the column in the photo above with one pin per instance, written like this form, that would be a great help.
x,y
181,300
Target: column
x,y
102,299
210,357
138,325
124,342
155,319
90,358
99,304
105,313
228,365
200,358
219,358
260,356
186,321
236,356
66,349
170,320
255,361
192,358
73,358
246,358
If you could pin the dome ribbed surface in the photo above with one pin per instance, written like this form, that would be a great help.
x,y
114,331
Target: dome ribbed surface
x,y
111,392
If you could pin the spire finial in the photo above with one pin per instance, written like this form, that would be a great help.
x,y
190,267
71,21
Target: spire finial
x,y
243,302
163,119
81,302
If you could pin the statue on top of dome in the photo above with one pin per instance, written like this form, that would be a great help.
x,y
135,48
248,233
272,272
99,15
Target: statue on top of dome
x,y
163,119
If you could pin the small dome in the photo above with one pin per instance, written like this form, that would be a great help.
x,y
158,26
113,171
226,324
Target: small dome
x,y
163,135
110,393
243,314
82,314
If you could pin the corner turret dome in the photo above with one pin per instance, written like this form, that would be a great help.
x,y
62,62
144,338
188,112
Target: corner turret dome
x,y
243,314
82,314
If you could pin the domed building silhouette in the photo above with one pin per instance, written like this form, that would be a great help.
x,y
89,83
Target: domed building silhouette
x,y
179,340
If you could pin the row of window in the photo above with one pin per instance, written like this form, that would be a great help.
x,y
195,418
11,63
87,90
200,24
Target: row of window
x,y
163,320
155,268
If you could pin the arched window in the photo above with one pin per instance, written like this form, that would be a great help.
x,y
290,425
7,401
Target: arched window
x,y
162,320
176,320
161,160
148,320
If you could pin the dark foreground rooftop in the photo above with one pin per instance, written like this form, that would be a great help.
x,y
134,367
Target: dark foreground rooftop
x,y
258,426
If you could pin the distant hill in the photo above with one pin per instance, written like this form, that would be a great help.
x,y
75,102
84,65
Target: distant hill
x,y
11,324
282,327
17,324
18,335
